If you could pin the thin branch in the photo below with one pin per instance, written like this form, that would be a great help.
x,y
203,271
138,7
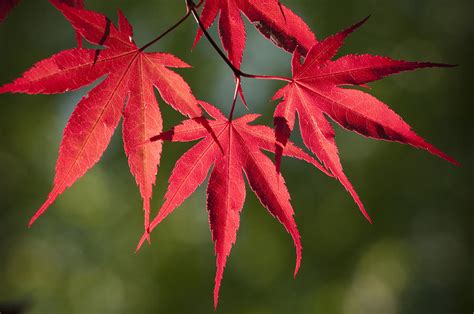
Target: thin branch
x,y
169,30
267,77
209,38
237,72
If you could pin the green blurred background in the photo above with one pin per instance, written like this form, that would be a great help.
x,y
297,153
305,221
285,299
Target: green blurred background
x,y
416,258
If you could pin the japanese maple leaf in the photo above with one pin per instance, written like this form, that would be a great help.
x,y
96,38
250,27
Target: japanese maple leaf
x,y
316,92
130,77
229,147
275,21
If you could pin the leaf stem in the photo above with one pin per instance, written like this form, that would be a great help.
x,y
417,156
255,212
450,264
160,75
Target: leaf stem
x,y
237,72
234,100
169,30
266,77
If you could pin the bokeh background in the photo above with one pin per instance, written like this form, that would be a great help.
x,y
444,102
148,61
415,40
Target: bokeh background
x,y
416,257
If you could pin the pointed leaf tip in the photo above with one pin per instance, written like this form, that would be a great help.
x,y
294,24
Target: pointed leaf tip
x,y
144,237
437,152
51,198
298,261
362,22
217,286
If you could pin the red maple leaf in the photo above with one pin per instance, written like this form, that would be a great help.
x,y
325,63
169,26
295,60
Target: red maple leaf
x,y
130,77
316,92
275,21
232,147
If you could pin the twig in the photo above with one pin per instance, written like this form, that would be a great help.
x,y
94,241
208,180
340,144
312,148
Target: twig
x,y
237,72
169,30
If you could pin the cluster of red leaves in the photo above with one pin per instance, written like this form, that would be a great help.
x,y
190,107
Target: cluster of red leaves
x,y
275,21
230,147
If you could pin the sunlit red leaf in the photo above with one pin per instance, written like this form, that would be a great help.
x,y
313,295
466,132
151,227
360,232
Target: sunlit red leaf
x,y
127,90
319,90
230,148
